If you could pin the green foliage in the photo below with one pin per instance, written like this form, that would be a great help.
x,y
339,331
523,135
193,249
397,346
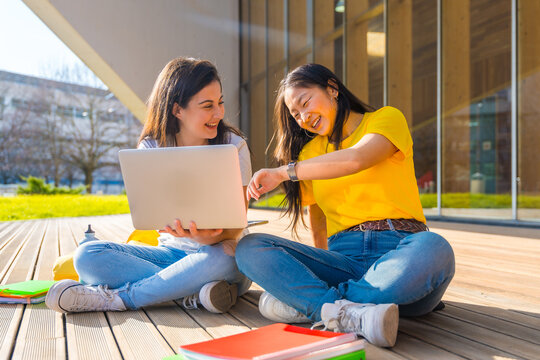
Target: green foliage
x,y
452,200
273,201
479,201
37,186
25,207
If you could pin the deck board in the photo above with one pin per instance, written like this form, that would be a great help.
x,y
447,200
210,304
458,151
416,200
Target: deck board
x,y
493,304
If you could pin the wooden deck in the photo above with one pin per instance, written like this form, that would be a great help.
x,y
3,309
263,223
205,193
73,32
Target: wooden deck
x,y
492,306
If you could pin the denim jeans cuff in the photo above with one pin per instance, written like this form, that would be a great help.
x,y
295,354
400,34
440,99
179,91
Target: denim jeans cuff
x,y
330,297
123,293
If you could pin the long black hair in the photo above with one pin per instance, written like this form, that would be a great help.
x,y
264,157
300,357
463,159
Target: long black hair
x,y
291,138
178,82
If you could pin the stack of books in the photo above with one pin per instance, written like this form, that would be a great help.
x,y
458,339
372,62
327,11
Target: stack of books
x,y
277,342
26,292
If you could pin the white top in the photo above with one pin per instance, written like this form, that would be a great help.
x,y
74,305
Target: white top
x,y
186,244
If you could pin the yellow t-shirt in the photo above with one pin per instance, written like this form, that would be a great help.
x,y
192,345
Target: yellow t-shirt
x,y
387,190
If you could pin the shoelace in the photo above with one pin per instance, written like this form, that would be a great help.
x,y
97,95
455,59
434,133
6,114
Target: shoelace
x,y
351,322
104,291
190,302
89,302
321,323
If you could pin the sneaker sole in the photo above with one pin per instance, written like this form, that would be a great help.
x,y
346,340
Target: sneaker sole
x,y
390,325
222,297
263,306
52,300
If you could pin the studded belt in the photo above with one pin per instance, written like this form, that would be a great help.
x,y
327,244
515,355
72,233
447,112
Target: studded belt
x,y
410,225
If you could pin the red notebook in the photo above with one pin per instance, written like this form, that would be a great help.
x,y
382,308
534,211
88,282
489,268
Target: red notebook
x,y
276,341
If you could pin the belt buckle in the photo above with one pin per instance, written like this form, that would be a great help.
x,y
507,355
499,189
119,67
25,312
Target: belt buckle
x,y
362,227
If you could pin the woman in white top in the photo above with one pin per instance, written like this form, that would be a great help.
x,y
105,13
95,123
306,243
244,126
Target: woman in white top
x,y
185,109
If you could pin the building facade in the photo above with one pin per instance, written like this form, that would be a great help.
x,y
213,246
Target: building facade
x,y
63,132
464,72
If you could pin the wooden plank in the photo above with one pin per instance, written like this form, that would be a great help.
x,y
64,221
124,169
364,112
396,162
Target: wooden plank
x,y
479,295
497,265
491,309
137,337
527,285
66,239
217,325
488,337
9,232
177,327
87,334
89,337
493,323
22,264
412,348
474,229
506,299
456,344
374,352
41,335
13,246
248,313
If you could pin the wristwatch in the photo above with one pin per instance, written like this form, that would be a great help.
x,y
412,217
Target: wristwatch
x,y
291,171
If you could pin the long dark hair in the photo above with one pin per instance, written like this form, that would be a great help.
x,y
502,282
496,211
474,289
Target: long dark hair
x,y
178,82
291,138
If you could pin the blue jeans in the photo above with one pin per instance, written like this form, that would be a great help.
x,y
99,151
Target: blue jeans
x,y
148,275
411,270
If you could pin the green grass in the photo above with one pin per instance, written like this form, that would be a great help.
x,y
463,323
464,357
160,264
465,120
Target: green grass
x,y
453,200
23,207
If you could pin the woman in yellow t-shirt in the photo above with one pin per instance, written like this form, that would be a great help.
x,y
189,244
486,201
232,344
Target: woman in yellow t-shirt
x,y
353,168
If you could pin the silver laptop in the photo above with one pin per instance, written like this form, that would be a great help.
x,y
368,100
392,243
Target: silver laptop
x,y
192,183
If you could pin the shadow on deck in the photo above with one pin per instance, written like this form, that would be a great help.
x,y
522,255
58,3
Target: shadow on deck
x,y
492,306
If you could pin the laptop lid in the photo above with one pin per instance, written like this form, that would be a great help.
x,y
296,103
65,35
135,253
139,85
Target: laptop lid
x,y
191,183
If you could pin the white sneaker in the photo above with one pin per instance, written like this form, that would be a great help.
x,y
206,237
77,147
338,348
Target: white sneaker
x,y
275,310
216,296
378,324
67,296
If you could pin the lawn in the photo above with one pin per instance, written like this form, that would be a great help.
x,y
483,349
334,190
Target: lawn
x,y
452,200
23,207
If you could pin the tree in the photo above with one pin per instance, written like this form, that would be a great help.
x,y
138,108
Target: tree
x,y
15,139
86,126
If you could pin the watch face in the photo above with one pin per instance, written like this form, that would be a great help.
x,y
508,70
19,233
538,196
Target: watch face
x,y
291,171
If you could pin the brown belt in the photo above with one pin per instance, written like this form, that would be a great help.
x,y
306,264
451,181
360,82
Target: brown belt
x,y
410,225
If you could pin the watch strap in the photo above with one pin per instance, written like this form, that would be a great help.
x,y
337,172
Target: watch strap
x,y
291,171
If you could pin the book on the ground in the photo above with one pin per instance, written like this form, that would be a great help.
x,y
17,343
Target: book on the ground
x,y
26,292
354,350
272,342
26,288
22,300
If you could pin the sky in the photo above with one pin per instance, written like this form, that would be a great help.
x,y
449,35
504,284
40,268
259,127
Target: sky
x,y
27,45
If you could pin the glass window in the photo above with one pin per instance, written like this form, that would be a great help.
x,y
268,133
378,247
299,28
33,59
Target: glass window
x,y
412,84
476,108
528,110
366,50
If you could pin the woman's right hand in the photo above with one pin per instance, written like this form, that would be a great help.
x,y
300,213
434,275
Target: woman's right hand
x,y
266,180
202,236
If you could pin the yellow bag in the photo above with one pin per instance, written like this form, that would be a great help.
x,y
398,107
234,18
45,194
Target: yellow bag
x,y
63,266
143,237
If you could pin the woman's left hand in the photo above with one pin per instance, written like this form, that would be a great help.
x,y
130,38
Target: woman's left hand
x,y
264,181
203,236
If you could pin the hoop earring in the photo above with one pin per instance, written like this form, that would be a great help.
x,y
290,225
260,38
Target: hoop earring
x,y
308,134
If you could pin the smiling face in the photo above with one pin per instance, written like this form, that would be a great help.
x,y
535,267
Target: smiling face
x,y
200,118
313,108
